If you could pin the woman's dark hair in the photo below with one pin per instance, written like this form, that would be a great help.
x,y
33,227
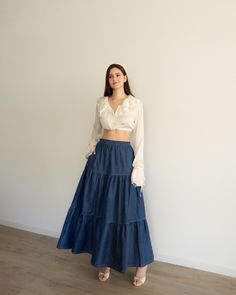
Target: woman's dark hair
x,y
108,90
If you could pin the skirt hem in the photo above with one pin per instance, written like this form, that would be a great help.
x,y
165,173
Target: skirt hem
x,y
108,264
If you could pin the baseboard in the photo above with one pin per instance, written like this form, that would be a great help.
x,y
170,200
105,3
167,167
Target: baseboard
x,y
32,229
216,269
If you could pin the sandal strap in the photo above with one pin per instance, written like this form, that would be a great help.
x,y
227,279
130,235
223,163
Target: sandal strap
x,y
104,273
142,279
139,278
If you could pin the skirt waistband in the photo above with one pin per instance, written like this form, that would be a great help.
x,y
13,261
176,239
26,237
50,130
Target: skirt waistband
x,y
115,142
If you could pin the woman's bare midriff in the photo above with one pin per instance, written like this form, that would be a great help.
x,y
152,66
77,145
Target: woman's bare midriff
x,y
116,134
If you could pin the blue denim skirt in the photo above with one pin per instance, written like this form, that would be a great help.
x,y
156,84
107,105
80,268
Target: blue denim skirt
x,y
107,215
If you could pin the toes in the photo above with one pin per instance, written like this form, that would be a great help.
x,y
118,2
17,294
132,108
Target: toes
x,y
102,277
137,284
139,281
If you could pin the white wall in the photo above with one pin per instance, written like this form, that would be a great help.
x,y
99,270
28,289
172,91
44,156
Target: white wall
x,y
180,58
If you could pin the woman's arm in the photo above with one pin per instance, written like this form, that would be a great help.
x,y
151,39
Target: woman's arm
x,y
137,141
96,133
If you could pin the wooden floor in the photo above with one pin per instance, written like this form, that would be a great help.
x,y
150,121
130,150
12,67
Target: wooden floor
x,y
31,264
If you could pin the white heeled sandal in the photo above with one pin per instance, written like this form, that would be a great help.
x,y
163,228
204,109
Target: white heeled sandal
x,y
104,274
139,281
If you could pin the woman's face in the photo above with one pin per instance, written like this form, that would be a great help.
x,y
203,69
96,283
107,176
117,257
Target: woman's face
x,y
116,78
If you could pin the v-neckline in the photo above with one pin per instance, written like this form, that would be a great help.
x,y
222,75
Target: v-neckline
x,y
114,112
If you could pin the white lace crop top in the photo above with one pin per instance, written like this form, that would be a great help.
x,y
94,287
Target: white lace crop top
x,y
128,116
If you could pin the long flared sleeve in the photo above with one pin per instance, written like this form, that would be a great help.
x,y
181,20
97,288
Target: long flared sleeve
x,y
96,133
137,142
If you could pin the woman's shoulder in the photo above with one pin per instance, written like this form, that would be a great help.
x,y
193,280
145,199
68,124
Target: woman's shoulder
x,y
101,103
100,100
136,101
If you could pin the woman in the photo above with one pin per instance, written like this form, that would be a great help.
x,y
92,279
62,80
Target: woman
x,y
107,214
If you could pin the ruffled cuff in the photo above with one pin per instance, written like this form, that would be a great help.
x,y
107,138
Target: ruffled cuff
x,y
91,149
137,177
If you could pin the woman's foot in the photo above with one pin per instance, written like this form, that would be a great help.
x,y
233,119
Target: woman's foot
x,y
104,274
140,276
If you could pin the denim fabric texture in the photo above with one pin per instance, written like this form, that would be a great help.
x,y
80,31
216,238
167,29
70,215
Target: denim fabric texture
x,y
107,215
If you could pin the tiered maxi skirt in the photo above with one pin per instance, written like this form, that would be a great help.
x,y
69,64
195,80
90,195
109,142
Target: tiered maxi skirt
x,y
107,215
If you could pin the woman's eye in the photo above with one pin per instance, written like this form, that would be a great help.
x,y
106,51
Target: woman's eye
x,y
116,75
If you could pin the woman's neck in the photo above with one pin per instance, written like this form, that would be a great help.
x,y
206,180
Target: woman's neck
x,y
118,94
